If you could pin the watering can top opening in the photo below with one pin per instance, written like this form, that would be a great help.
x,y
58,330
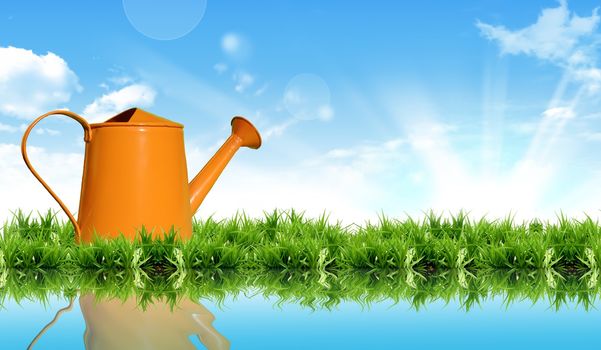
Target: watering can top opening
x,y
137,117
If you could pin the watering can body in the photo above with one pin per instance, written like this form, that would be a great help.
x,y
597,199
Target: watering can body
x,y
135,175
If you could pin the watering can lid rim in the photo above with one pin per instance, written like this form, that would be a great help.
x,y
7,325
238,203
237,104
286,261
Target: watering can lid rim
x,y
137,117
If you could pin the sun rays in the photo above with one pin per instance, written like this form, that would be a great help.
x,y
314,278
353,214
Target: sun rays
x,y
519,188
509,177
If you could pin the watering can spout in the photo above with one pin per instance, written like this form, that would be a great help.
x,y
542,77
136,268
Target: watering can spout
x,y
244,134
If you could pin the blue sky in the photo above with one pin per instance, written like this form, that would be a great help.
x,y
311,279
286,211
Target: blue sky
x,y
364,107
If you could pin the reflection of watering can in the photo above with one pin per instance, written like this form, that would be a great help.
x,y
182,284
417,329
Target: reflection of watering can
x,y
135,174
116,324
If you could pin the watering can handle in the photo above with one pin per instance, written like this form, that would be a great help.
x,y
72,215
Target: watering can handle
x,y
87,137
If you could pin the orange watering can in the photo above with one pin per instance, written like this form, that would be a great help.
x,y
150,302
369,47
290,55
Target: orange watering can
x,y
135,174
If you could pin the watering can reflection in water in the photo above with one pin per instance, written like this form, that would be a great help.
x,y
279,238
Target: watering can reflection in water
x,y
116,324
135,174
123,324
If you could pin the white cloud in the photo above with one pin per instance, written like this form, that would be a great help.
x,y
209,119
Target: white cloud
x,y
243,81
569,42
38,130
555,36
230,43
591,116
417,177
278,129
363,159
427,134
261,90
307,97
591,136
8,128
235,46
32,84
559,113
20,189
121,80
325,112
365,151
46,131
584,195
455,185
343,187
558,36
523,128
589,76
108,105
220,68
454,180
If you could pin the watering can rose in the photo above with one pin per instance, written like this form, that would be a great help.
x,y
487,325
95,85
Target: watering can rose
x,y
135,174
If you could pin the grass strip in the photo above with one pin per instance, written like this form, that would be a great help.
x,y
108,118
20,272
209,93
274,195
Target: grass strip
x,y
286,240
311,261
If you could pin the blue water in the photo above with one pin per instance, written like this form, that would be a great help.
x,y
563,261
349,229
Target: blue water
x,y
257,323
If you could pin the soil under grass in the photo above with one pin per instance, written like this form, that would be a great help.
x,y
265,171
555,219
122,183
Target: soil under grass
x,y
312,260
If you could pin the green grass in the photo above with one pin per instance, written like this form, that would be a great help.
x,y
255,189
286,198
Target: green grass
x,y
287,240
312,261
312,289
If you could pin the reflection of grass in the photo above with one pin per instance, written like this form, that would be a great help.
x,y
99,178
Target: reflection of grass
x,y
312,261
311,289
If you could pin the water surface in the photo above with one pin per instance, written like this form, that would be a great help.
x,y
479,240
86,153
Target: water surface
x,y
252,321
